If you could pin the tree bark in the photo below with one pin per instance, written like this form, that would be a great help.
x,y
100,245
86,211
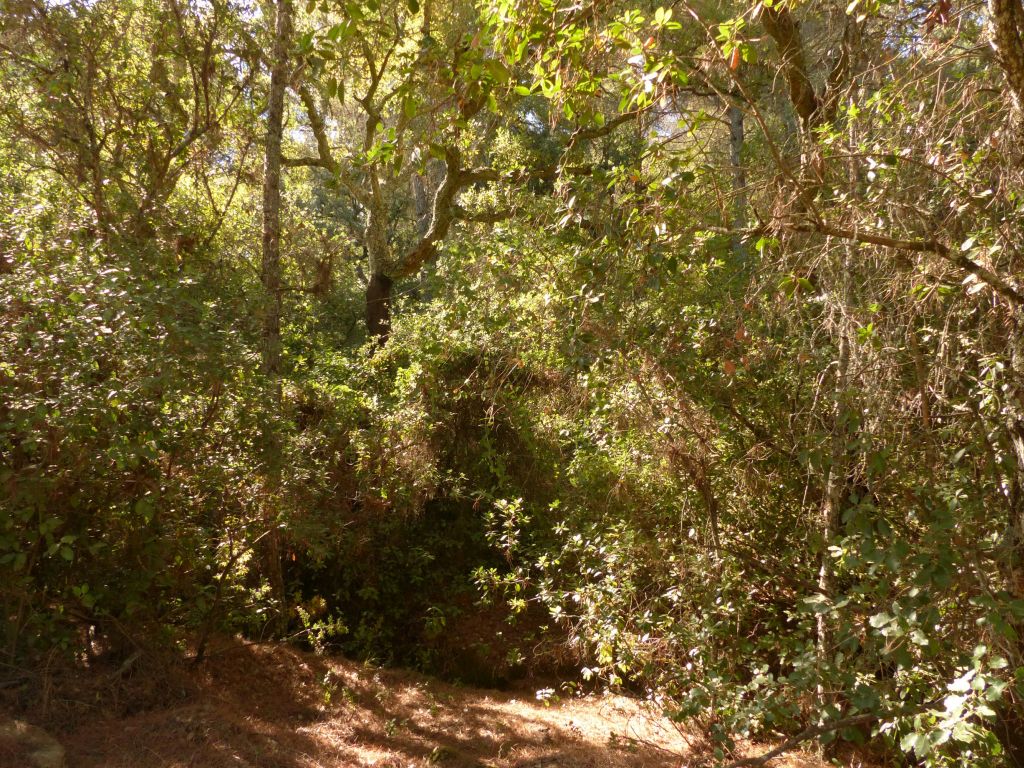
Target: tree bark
x,y
378,307
785,31
837,479
1010,726
832,500
271,279
271,265
739,178
1008,41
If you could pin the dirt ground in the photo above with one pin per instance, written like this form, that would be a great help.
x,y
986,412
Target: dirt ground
x,y
278,707
11,753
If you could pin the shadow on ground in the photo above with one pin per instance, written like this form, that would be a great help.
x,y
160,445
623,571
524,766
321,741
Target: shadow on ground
x,y
278,707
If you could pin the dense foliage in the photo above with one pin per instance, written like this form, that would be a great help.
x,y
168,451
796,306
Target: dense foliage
x,y
677,348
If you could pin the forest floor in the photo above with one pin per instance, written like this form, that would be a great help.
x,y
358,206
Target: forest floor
x,y
252,706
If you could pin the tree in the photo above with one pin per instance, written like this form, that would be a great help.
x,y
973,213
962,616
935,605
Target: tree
x,y
123,101
271,280
731,399
417,98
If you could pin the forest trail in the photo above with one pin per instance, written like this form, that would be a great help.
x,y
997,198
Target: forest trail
x,y
278,707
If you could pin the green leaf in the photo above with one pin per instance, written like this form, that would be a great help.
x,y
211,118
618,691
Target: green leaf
x,y
497,71
817,603
908,741
954,704
963,683
880,620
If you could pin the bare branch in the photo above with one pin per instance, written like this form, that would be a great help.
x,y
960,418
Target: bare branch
x,y
326,157
840,72
316,124
441,218
589,134
957,258
785,31
306,162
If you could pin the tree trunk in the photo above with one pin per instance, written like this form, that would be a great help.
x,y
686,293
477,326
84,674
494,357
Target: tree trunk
x,y
271,266
1010,724
831,506
1010,727
837,479
271,278
739,178
1007,17
378,307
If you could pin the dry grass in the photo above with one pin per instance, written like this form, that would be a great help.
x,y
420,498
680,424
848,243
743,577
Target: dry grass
x,y
277,707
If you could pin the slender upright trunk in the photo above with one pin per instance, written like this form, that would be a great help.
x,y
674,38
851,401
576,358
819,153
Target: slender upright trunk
x,y
271,277
1010,726
836,481
739,178
831,505
271,267
1007,21
921,374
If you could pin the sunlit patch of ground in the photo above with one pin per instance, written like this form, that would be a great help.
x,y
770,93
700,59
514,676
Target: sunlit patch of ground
x,y
277,707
